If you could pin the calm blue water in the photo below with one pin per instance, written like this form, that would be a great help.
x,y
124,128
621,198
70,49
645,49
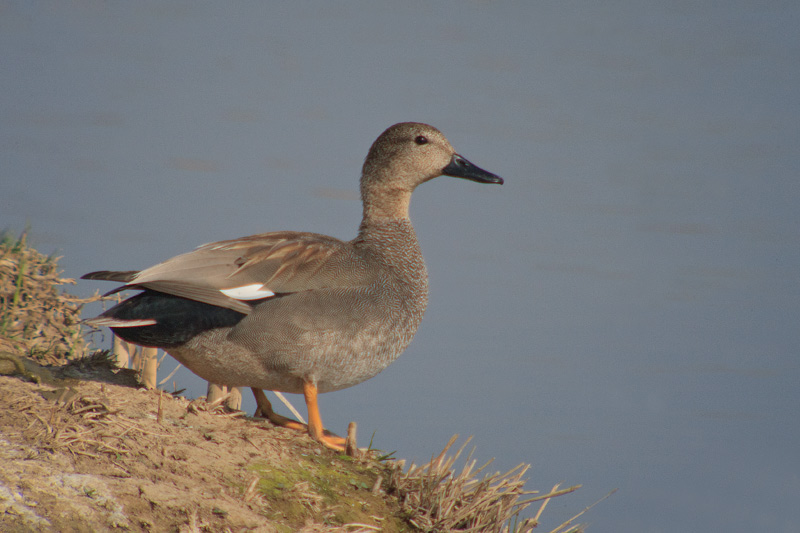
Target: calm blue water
x,y
622,313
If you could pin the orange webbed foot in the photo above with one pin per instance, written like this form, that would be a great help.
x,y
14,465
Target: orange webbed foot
x,y
313,428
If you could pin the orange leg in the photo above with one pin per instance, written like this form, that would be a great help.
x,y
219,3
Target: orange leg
x,y
265,410
314,428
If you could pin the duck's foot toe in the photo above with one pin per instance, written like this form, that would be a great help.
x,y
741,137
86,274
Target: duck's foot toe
x,y
329,440
323,436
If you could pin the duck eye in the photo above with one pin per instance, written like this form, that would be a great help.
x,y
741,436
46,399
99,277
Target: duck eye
x,y
421,139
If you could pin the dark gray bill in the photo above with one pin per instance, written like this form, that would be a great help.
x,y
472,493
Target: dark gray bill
x,y
461,168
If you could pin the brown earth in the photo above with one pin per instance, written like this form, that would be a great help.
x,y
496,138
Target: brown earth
x,y
88,452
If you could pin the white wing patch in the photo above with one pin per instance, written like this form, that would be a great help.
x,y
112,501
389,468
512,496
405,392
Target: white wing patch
x,y
256,291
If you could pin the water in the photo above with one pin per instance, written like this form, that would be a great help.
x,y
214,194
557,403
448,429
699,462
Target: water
x,y
622,313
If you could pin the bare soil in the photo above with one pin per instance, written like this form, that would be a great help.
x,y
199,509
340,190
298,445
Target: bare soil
x,y
89,452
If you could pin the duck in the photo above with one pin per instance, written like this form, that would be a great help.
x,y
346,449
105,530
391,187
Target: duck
x,y
299,312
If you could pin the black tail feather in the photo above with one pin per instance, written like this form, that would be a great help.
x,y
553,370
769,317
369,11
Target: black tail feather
x,y
177,319
123,276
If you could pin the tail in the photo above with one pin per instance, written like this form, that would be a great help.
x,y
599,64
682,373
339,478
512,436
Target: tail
x,y
123,276
152,318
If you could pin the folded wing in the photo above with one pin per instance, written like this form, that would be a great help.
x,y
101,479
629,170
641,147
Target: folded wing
x,y
234,273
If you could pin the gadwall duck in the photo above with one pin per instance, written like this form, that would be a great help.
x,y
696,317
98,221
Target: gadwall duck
x,y
299,312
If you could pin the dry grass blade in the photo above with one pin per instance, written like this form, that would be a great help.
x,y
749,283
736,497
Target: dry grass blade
x,y
289,405
250,492
437,498
563,527
169,376
359,528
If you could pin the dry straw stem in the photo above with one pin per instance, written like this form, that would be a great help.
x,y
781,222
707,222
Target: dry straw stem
x,y
149,371
436,498
567,527
169,376
234,400
122,352
215,393
350,444
289,406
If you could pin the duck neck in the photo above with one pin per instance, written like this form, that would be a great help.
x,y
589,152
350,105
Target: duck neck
x,y
381,232
392,239
393,243
385,204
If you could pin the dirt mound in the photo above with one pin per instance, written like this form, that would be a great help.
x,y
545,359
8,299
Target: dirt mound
x,y
92,452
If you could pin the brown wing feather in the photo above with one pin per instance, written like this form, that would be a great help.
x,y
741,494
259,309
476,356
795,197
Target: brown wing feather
x,y
282,262
291,266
